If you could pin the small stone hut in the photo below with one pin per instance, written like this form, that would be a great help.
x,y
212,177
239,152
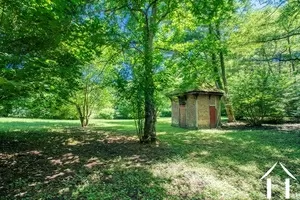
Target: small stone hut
x,y
196,108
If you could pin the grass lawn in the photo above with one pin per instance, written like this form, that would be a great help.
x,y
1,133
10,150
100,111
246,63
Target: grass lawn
x,y
55,159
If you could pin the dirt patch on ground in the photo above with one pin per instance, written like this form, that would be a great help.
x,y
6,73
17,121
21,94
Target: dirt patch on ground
x,y
245,126
285,127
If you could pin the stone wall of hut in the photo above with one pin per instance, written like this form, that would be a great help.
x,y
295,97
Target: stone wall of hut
x,y
197,110
175,112
203,111
191,118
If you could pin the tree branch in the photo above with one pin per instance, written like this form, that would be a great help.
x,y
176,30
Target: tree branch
x,y
280,37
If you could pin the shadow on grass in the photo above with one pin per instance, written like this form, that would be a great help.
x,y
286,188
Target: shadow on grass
x,y
234,148
55,164
106,161
130,183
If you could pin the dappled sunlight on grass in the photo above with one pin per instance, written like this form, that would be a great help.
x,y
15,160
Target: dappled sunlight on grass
x,y
72,141
196,180
106,160
92,162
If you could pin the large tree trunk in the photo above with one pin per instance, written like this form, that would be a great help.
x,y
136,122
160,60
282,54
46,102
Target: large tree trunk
x,y
150,117
149,127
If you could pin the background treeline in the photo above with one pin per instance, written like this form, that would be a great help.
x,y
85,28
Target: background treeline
x,y
45,108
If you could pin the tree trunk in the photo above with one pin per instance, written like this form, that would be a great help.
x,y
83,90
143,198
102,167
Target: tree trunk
x,y
81,117
290,54
226,99
150,117
149,127
86,121
220,78
84,112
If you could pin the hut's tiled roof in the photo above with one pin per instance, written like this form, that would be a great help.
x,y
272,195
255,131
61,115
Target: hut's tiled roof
x,y
198,90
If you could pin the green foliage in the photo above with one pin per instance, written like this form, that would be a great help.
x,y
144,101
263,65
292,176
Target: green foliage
x,y
165,113
123,110
56,51
106,113
94,92
292,99
43,46
65,111
258,95
33,57
264,63
44,105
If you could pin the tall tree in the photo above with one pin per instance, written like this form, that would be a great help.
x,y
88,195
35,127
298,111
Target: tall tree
x,y
215,15
43,46
95,79
138,23
266,53
32,54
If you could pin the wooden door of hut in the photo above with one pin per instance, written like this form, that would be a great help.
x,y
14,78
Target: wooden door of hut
x,y
213,116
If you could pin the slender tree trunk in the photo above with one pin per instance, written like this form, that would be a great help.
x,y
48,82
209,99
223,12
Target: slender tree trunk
x,y
226,99
220,78
150,117
81,117
293,69
86,121
86,104
84,110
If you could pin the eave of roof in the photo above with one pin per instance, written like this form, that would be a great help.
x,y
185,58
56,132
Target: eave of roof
x,y
215,92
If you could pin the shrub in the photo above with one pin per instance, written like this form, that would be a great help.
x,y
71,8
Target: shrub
x,y
106,113
257,96
292,99
165,113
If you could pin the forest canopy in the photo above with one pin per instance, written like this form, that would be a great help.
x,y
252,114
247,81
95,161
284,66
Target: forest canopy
x,y
120,58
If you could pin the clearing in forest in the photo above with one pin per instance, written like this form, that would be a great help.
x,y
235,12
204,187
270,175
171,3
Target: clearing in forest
x,y
54,158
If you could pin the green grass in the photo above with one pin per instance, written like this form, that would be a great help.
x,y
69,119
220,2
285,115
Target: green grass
x,y
56,159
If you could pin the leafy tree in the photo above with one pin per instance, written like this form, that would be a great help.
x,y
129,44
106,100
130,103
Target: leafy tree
x,y
292,99
263,42
215,16
198,45
39,105
32,54
43,46
137,24
93,86
258,95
